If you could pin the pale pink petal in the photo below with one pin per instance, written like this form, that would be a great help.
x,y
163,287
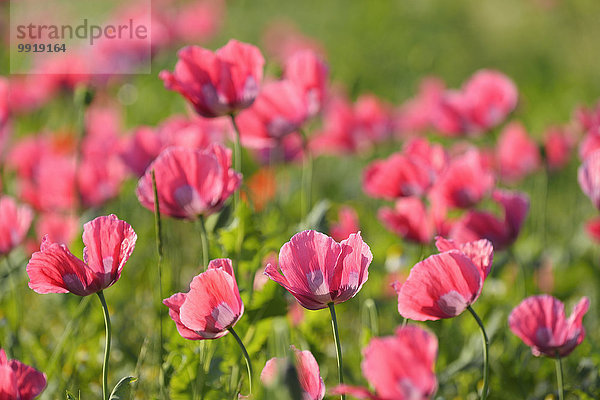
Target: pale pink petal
x,y
441,286
109,242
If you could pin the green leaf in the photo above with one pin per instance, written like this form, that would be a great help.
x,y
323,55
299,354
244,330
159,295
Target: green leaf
x,y
316,217
122,389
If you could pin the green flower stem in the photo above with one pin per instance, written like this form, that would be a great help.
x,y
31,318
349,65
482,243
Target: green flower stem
x,y
307,176
159,251
338,345
204,240
246,356
486,344
237,166
559,377
237,150
105,392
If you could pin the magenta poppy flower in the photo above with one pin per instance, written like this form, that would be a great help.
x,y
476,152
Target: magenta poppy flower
x,y
347,224
318,271
15,221
309,376
212,305
444,285
217,83
409,219
517,154
589,144
589,178
19,381
399,367
108,244
310,73
465,182
280,109
190,182
541,323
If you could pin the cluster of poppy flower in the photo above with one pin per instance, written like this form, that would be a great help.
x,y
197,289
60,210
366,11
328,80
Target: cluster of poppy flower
x,y
185,171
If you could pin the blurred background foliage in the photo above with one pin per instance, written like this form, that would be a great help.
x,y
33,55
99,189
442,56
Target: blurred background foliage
x,y
548,47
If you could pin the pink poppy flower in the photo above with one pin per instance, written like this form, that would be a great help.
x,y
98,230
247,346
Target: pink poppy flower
x,y
409,219
19,381
399,367
190,182
484,225
288,149
414,116
492,96
483,102
347,224
310,73
517,154
212,305
45,169
15,221
592,228
444,285
589,144
541,323
433,155
4,112
280,109
558,145
108,244
217,83
198,21
450,115
140,148
465,182
340,133
374,118
60,228
318,271
144,144
398,176
588,118
282,40
309,376
588,176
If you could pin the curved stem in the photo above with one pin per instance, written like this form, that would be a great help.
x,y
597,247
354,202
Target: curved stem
x,y
246,356
486,345
338,345
559,377
159,251
204,240
105,392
